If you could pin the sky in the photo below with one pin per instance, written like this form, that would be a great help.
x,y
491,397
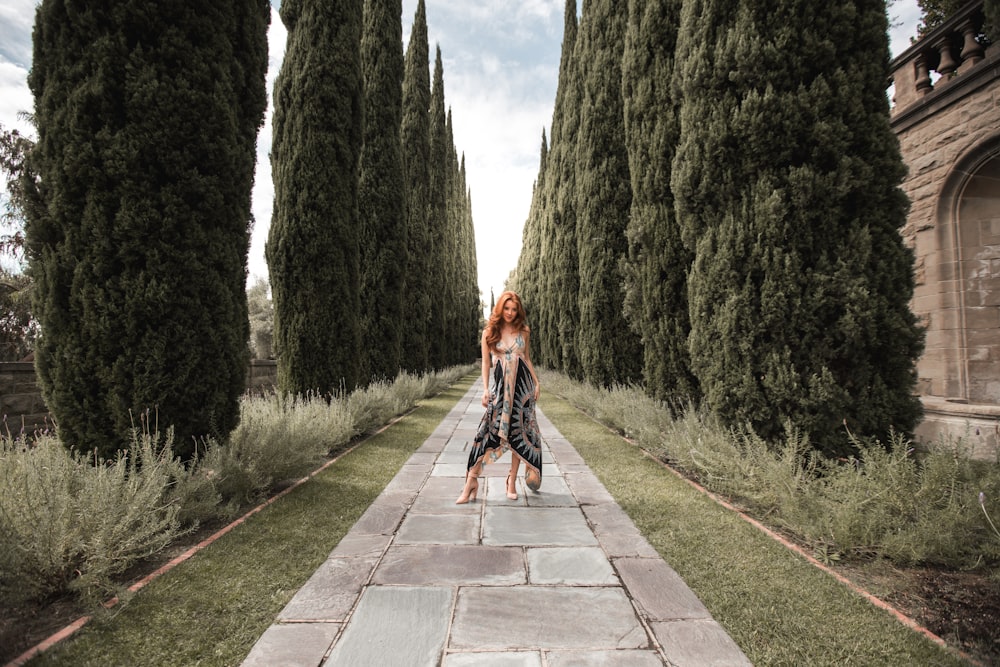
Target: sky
x,y
501,66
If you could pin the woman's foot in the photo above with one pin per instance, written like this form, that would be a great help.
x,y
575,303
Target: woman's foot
x,y
470,490
511,487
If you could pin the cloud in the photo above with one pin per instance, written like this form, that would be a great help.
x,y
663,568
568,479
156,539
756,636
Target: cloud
x,y
15,97
16,20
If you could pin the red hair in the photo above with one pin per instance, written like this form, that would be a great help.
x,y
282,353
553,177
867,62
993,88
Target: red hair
x,y
496,318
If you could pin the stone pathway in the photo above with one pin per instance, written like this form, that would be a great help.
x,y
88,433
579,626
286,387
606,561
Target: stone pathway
x,y
557,578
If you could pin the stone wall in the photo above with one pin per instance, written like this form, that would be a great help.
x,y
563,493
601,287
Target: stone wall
x,y
949,136
21,405
24,411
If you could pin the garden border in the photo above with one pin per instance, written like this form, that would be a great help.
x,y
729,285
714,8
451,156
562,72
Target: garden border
x,y
72,628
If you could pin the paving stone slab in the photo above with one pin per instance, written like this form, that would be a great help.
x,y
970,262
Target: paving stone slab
x,y
446,504
616,532
569,468
626,542
354,545
554,493
536,526
439,529
659,592
408,480
487,659
421,458
441,488
383,516
565,454
433,445
453,456
570,566
588,489
451,565
623,658
395,625
694,643
511,618
330,593
292,645
496,491
449,470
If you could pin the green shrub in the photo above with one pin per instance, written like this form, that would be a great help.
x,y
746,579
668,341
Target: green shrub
x,y
68,523
278,438
376,405
909,507
888,501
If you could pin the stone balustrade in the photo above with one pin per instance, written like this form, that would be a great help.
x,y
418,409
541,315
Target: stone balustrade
x,y
951,50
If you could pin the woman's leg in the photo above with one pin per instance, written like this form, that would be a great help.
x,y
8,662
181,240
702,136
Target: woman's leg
x,y
471,485
515,464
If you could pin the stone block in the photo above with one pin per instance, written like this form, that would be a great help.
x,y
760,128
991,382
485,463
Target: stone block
x,y
625,657
698,643
395,625
441,564
292,645
987,317
330,594
659,591
575,618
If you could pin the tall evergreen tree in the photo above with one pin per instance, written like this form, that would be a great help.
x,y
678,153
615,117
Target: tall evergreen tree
x,y
381,191
147,117
528,262
313,249
437,218
564,283
451,268
415,138
609,351
786,180
656,273
473,298
537,245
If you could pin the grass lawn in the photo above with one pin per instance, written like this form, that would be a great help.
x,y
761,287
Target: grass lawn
x,y
211,609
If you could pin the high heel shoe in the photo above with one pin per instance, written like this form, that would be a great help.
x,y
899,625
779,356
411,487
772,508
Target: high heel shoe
x,y
511,495
469,492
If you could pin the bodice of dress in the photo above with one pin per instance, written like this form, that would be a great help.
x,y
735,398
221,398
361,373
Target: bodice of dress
x,y
505,351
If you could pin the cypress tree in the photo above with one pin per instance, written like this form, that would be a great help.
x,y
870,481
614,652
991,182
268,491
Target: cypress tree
x,y
473,300
528,263
381,193
147,117
565,280
437,219
415,139
313,248
609,351
536,247
450,247
656,271
786,180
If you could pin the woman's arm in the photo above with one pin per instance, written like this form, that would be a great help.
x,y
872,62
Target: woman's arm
x,y
486,370
527,360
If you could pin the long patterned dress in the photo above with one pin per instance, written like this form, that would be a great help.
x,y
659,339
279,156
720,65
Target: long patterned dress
x,y
509,421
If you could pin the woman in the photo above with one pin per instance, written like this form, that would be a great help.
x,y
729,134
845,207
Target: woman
x,y
509,422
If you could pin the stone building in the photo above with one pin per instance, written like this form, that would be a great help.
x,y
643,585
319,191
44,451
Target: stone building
x,y
946,114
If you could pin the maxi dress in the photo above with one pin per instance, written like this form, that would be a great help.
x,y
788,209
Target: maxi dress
x,y
509,421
